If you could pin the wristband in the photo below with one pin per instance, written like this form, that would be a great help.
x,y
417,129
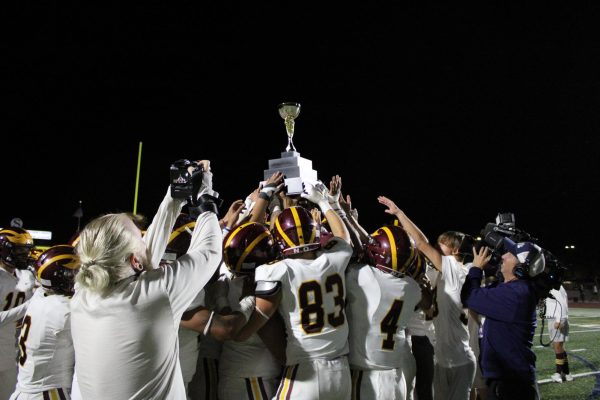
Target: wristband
x,y
264,196
207,327
247,306
324,206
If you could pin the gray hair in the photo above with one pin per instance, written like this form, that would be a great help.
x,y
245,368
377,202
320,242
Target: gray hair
x,y
104,248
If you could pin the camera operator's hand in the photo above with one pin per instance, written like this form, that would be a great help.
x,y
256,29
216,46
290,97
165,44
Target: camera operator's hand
x,y
204,164
481,257
206,185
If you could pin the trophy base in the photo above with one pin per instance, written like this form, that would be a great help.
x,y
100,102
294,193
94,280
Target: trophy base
x,y
295,169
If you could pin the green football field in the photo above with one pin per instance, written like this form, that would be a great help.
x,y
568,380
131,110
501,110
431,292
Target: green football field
x,y
583,348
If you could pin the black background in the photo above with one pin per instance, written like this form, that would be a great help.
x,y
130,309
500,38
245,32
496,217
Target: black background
x,y
455,112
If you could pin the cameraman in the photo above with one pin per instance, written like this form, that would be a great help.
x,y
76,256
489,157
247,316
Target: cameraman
x,y
507,361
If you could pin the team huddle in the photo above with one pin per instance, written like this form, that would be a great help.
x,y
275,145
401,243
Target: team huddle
x,y
285,297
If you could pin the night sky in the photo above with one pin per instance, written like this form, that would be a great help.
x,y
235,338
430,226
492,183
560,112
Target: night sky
x,y
456,114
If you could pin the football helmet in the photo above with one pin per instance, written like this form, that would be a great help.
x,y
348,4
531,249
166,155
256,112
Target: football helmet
x,y
55,269
180,238
296,231
247,247
15,247
391,251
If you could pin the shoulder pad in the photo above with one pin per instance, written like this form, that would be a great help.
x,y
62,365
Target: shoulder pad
x,y
267,288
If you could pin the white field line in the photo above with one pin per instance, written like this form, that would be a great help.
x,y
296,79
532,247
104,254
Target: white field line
x,y
544,381
571,332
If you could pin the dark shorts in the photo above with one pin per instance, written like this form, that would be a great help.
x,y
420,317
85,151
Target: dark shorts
x,y
510,389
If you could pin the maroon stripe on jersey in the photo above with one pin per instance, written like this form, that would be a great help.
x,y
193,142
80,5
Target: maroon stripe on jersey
x,y
294,371
263,392
61,394
249,388
46,395
281,383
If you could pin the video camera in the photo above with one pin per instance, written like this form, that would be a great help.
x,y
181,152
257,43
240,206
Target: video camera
x,y
186,178
492,236
186,182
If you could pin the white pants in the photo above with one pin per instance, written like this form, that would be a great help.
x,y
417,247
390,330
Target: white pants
x,y
316,379
453,383
255,388
52,394
558,335
75,392
386,384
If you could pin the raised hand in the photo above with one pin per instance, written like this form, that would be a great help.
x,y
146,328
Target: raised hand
x,y
335,188
392,208
235,209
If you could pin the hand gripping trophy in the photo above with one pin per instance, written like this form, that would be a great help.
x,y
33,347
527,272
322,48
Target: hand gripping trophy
x,y
296,169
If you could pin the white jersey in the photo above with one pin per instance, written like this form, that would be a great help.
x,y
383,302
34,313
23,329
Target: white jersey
x,y
420,324
126,343
379,307
452,336
247,359
188,344
557,309
312,302
15,289
47,356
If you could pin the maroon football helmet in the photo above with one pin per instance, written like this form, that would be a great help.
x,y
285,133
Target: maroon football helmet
x,y
181,236
247,247
15,247
55,269
391,251
296,231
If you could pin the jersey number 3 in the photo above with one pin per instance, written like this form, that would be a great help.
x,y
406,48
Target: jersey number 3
x,y
23,339
311,304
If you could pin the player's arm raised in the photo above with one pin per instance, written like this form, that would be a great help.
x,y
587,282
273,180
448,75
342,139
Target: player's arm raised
x,y
414,232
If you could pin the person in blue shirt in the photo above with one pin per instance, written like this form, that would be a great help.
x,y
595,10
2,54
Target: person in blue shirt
x,y
507,361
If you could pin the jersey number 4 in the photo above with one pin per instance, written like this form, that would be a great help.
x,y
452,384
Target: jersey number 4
x,y
389,325
311,304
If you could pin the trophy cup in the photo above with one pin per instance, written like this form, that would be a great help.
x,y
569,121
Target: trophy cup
x,y
296,169
289,112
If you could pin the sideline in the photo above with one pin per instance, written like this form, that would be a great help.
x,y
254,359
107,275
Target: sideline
x,y
596,390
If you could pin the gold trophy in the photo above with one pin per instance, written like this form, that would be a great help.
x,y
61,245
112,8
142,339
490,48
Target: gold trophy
x,y
289,112
296,169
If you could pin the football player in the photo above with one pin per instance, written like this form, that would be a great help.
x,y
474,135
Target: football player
x,y
307,288
16,287
455,361
248,370
46,348
382,296
557,316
